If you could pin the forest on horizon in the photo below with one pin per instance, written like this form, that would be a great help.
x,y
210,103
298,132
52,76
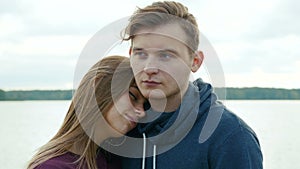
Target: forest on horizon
x,y
251,93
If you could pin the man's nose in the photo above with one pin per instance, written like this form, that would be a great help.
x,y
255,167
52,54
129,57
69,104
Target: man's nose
x,y
151,66
151,70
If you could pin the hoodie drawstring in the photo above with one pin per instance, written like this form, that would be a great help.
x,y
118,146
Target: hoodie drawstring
x,y
144,153
154,157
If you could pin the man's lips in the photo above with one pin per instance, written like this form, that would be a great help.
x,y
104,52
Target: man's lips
x,y
150,83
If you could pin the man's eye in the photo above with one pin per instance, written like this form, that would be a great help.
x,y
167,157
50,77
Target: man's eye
x,y
165,56
139,54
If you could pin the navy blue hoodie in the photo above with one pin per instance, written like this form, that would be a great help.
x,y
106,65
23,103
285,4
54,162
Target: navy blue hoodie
x,y
201,134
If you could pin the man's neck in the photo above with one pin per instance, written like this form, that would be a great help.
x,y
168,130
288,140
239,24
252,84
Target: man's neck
x,y
169,104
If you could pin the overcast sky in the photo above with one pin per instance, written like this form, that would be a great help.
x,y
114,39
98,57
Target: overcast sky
x,y
257,42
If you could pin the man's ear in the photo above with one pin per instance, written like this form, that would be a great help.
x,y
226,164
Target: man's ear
x,y
130,50
197,61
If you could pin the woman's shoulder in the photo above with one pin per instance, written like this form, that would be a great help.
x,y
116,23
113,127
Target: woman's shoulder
x,y
68,161
65,161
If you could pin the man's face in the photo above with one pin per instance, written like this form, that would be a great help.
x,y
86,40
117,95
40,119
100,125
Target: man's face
x,y
161,62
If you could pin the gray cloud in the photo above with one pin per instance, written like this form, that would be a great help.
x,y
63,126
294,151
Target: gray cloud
x,y
270,44
28,73
10,7
281,21
254,40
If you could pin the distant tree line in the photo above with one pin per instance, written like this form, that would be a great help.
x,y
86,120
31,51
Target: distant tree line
x,y
256,93
253,93
36,95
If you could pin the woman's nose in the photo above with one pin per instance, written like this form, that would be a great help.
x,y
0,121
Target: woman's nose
x,y
139,111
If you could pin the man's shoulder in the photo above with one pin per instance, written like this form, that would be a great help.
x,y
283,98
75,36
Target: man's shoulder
x,y
231,124
232,121
220,122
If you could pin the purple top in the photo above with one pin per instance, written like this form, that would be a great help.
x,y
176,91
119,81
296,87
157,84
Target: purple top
x,y
66,161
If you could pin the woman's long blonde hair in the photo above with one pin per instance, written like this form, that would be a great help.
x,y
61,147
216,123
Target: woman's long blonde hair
x,y
94,93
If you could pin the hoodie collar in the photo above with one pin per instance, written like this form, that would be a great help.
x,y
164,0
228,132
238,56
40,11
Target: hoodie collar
x,y
172,127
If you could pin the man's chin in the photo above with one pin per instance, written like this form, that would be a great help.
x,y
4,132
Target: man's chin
x,y
155,94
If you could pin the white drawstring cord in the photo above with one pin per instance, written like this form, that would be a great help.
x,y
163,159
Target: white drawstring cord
x,y
144,151
154,157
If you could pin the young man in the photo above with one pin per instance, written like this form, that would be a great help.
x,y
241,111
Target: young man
x,y
186,127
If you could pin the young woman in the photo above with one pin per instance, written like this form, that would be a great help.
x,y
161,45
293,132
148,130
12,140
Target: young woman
x,y
107,104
